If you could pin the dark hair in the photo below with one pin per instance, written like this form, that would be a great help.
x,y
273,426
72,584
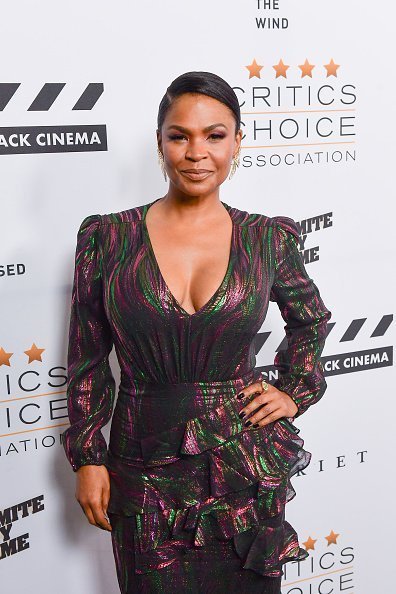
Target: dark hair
x,y
205,83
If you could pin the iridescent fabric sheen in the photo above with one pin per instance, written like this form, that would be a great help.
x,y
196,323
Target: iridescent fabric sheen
x,y
183,467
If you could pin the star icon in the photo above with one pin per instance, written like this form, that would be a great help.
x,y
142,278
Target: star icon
x,y
331,68
331,538
306,69
310,543
280,68
254,69
34,353
5,357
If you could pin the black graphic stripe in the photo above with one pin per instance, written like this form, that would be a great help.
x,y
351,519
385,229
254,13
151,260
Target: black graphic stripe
x,y
353,329
46,96
7,90
382,325
89,97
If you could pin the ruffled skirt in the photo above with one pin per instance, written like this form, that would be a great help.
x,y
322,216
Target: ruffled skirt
x,y
206,490
214,569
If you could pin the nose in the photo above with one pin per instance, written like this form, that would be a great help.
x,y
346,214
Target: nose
x,y
195,151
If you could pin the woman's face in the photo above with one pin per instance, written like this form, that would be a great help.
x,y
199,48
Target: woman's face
x,y
198,133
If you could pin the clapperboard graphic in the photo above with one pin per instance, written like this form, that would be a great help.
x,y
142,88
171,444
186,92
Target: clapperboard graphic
x,y
52,139
351,361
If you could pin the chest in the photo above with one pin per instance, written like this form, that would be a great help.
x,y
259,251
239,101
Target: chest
x,y
141,293
193,265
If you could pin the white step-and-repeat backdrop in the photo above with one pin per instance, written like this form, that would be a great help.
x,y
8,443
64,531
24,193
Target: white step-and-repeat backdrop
x,y
80,85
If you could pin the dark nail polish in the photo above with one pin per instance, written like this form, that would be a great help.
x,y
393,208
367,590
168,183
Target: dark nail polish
x,y
248,423
256,425
242,414
240,395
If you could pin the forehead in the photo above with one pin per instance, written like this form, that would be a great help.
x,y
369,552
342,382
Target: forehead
x,y
197,109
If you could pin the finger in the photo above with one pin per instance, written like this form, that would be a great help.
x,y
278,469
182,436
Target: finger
x,y
264,411
88,513
95,515
99,517
258,401
105,504
266,420
250,389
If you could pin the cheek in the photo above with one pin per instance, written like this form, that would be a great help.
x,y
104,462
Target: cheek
x,y
222,159
224,167
174,155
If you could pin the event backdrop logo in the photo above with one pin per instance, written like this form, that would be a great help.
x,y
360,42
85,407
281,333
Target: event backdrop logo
x,y
33,407
308,226
10,520
296,114
52,139
329,567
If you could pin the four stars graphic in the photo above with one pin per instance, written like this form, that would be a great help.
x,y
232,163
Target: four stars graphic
x,y
281,68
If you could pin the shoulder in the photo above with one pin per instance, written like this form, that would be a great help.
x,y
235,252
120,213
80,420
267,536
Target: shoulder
x,y
96,221
281,225
247,219
130,215
95,225
89,226
285,226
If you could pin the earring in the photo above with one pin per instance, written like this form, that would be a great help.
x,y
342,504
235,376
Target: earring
x,y
235,163
161,162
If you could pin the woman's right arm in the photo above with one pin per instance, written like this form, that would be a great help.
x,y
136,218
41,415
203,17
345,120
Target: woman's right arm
x,y
301,373
90,384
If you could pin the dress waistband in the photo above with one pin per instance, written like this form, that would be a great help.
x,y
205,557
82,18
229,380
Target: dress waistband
x,y
136,387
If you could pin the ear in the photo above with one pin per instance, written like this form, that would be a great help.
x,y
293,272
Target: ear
x,y
238,140
159,139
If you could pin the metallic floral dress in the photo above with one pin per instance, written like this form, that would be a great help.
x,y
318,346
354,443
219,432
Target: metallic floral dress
x,y
185,472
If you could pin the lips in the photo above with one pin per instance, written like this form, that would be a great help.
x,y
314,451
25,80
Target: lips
x,y
196,171
196,174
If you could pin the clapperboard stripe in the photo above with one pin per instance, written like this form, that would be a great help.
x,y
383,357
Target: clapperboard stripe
x,y
46,96
7,91
353,329
382,326
89,96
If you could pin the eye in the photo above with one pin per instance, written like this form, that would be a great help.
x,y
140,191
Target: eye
x,y
176,136
181,136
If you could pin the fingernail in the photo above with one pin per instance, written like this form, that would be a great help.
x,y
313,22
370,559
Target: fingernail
x,y
240,395
242,414
256,425
248,423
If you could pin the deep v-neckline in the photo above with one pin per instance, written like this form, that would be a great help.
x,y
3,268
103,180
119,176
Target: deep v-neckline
x,y
223,283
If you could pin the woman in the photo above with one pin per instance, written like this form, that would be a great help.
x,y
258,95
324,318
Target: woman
x,y
194,483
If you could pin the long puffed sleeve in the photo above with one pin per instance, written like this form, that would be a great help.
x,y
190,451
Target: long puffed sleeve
x,y
90,384
300,370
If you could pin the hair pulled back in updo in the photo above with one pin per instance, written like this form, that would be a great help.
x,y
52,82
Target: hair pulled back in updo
x,y
205,83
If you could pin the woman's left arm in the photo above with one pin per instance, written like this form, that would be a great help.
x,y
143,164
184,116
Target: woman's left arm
x,y
301,380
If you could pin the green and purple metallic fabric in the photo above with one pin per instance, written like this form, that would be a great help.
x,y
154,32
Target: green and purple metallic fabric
x,y
183,467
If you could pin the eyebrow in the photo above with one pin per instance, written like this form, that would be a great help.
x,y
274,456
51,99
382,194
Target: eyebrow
x,y
207,129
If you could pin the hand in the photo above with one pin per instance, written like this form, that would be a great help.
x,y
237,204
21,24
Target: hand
x,y
93,493
267,406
